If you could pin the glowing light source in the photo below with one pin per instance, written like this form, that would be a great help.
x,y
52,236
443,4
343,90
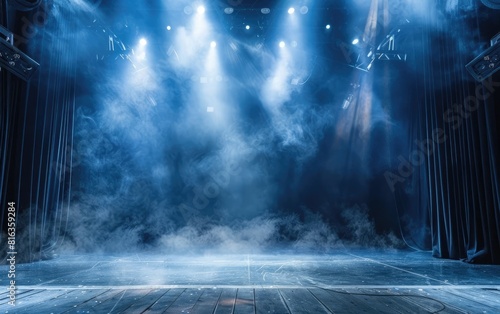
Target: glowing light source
x,y
291,11
282,44
143,42
355,41
247,27
265,10
169,28
141,56
328,26
213,44
201,9
228,10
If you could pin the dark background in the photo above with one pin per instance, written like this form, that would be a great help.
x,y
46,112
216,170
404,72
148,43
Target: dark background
x,y
95,164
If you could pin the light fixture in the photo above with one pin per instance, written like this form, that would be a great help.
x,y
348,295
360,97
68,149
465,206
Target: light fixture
x,y
201,9
143,42
282,44
213,44
328,26
487,63
265,10
247,27
228,10
13,59
385,51
291,11
169,28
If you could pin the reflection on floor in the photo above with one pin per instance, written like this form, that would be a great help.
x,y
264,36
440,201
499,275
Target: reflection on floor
x,y
346,282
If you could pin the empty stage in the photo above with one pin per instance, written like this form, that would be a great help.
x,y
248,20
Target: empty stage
x,y
349,281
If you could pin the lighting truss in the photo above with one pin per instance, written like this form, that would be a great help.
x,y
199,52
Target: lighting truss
x,y
385,51
487,63
13,59
109,46
351,96
114,47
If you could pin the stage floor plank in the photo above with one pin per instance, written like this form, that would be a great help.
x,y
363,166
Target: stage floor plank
x,y
347,282
257,300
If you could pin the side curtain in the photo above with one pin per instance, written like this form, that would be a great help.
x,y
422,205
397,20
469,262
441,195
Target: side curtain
x,y
458,119
36,135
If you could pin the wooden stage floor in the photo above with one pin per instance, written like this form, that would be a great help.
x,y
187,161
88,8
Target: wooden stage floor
x,y
360,281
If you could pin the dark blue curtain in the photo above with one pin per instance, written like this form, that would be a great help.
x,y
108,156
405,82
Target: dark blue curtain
x,y
36,134
453,196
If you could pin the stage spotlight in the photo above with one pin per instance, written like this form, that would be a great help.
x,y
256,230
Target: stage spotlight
x,y
355,41
200,9
247,27
291,11
328,26
487,63
13,59
213,44
282,44
143,42
169,28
